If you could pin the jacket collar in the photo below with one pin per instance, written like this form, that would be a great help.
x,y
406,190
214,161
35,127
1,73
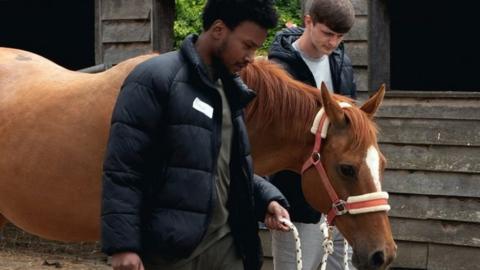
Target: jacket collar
x,y
283,50
282,45
238,93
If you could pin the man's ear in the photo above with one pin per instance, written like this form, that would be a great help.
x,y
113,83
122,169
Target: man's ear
x,y
307,20
218,29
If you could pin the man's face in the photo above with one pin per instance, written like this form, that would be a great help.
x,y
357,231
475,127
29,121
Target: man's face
x,y
238,47
323,38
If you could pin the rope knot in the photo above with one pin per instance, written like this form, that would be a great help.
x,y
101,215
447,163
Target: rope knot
x,y
328,246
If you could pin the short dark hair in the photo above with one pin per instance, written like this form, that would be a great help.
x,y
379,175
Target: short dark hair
x,y
234,12
337,15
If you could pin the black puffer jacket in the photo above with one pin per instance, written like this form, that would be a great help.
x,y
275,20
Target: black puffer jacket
x,y
158,180
343,81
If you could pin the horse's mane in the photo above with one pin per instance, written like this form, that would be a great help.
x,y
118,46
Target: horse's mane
x,y
281,99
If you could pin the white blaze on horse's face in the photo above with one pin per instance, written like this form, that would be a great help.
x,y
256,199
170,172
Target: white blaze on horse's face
x,y
373,162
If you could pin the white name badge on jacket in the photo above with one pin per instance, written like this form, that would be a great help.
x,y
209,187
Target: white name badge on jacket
x,y
203,107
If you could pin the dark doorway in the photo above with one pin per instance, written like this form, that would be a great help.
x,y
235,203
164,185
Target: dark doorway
x,y
59,30
433,45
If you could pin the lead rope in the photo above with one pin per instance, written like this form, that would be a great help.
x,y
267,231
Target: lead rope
x,y
327,232
345,255
327,244
298,248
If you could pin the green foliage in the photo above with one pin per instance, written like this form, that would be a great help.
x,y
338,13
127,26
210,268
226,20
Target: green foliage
x,y
289,11
189,19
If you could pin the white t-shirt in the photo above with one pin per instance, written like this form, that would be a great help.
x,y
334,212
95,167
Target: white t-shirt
x,y
320,68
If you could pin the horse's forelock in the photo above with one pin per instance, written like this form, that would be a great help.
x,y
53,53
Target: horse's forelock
x,y
363,129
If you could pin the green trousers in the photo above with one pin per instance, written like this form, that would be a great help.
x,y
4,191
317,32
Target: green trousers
x,y
220,256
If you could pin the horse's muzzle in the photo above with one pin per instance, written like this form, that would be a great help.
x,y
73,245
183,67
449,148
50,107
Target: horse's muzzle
x,y
376,260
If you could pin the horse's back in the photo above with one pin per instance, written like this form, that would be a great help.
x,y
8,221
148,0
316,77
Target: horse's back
x,y
54,125
15,62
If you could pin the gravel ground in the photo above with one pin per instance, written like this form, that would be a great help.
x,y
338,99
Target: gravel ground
x,y
18,260
20,250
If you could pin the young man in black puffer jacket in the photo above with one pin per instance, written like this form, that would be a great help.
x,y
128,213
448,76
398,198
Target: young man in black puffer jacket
x,y
178,185
312,55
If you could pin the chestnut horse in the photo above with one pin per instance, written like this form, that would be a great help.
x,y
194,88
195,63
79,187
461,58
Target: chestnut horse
x,y
54,126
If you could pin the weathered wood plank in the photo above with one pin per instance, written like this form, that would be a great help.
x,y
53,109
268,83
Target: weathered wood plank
x,y
126,31
411,255
378,44
125,9
360,7
432,158
115,53
162,25
423,131
361,78
430,108
444,94
439,232
437,208
432,183
359,31
357,51
443,257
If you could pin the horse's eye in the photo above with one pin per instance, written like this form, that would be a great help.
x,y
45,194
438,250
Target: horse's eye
x,y
347,170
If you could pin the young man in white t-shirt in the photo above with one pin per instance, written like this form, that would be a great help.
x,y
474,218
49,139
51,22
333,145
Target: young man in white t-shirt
x,y
312,54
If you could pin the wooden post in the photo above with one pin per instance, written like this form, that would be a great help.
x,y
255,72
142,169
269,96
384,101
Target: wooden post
x,y
162,25
378,45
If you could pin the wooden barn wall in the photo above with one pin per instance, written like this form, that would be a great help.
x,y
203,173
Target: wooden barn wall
x,y
123,30
357,46
432,144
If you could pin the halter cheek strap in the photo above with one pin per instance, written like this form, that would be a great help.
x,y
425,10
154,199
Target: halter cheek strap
x,y
366,203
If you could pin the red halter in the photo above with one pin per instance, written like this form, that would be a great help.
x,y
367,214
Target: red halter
x,y
370,202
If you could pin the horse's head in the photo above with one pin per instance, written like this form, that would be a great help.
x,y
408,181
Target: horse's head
x,y
349,188
347,170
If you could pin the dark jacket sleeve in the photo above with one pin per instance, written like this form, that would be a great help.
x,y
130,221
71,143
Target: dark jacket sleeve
x,y
135,121
348,86
264,193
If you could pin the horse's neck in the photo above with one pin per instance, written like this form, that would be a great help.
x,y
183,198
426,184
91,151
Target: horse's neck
x,y
274,149
272,153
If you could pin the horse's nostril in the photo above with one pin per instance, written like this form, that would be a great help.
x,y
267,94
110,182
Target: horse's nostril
x,y
377,259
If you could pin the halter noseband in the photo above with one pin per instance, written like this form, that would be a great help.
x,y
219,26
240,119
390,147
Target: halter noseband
x,y
369,202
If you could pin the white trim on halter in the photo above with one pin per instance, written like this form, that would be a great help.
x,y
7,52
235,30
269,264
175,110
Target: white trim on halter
x,y
368,197
316,122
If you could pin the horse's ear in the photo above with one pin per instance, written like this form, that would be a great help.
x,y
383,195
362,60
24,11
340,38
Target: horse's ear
x,y
332,108
371,106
